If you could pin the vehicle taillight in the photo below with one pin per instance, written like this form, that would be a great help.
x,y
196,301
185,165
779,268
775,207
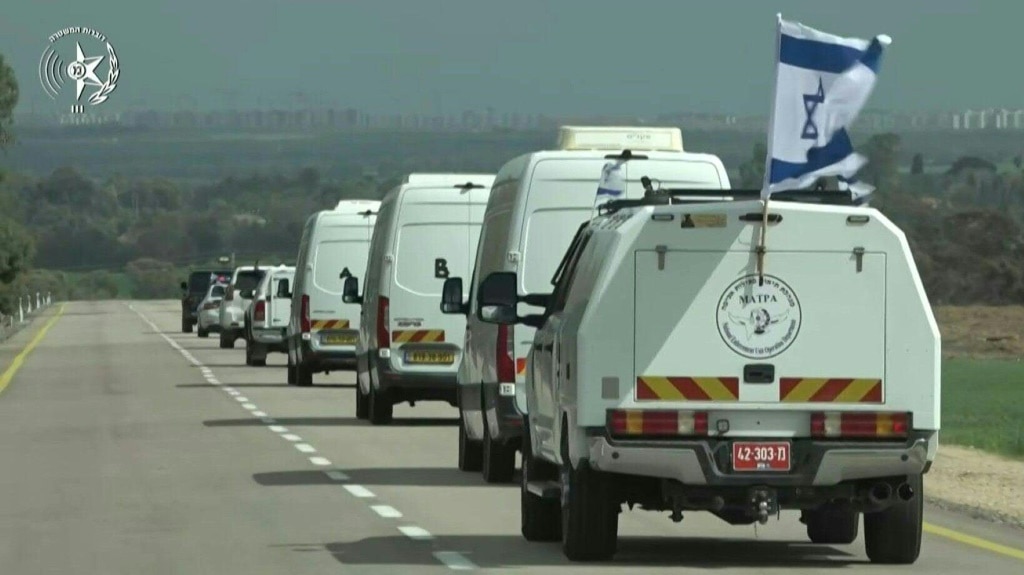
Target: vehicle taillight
x,y
211,305
859,424
260,312
639,422
304,323
505,351
383,334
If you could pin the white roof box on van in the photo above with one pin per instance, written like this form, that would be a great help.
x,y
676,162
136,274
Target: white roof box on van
x,y
422,179
357,206
620,138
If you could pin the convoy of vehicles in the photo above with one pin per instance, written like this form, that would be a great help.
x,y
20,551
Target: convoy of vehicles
x,y
680,348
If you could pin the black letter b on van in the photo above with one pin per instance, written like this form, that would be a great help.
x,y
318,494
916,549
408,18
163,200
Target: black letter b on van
x,y
441,268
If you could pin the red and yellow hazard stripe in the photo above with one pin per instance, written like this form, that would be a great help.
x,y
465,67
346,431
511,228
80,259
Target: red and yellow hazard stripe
x,y
319,324
812,390
657,388
418,335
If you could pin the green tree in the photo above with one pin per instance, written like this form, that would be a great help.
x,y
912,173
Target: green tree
x,y
882,169
8,100
917,165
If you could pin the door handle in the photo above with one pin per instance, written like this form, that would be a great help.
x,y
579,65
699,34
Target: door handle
x,y
548,347
537,347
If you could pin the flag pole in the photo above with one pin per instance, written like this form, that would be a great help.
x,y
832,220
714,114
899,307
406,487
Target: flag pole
x,y
765,184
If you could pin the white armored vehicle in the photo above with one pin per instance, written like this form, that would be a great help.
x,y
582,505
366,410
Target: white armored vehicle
x,y
668,371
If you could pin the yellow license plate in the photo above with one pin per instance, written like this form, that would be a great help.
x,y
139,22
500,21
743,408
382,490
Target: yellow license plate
x,y
434,357
340,339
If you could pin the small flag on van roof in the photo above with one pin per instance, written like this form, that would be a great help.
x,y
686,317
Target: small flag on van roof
x,y
613,181
822,83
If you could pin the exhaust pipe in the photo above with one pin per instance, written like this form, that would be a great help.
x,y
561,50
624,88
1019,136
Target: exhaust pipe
x,y
905,492
880,492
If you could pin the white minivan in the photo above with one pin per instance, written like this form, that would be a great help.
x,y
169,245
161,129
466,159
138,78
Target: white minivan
x,y
408,350
266,320
322,332
538,202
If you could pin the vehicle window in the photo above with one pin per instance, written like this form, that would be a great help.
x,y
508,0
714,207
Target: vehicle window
x,y
548,234
217,291
248,280
564,283
198,282
283,287
333,257
427,254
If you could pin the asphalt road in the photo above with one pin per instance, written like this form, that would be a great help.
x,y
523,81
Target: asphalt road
x,y
121,453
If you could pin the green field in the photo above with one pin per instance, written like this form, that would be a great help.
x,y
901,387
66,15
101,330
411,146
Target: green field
x,y
983,405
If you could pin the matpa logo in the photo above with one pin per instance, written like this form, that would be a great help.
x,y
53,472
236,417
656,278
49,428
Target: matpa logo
x,y
79,61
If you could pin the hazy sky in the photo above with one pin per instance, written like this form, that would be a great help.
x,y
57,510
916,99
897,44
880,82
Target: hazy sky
x,y
552,56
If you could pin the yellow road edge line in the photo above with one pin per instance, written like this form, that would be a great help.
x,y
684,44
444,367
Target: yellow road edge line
x,y
974,541
8,375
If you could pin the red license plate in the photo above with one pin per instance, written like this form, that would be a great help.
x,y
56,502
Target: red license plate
x,y
761,456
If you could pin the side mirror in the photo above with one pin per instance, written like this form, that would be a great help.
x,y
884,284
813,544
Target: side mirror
x,y
498,297
451,297
350,291
184,286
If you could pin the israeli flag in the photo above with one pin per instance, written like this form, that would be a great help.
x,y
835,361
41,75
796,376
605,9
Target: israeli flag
x,y
612,183
822,82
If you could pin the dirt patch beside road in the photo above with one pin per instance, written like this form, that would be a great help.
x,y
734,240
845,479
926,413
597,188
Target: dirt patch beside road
x,y
977,483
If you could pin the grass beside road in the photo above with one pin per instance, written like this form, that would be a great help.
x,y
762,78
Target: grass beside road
x,y
983,404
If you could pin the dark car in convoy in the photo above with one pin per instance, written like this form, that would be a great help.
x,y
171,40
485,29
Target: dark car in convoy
x,y
193,292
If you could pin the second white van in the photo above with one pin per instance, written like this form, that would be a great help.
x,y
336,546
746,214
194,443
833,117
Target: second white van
x,y
321,331
538,202
408,350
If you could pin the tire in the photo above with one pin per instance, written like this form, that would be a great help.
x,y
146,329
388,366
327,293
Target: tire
x,y
202,333
832,526
227,340
893,536
362,403
186,326
248,353
303,376
590,515
470,451
381,408
541,519
292,376
499,460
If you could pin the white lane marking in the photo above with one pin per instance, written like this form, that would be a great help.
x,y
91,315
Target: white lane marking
x,y
305,448
259,414
278,429
232,392
214,381
320,461
249,406
336,475
417,533
242,399
386,511
267,420
290,437
454,560
206,371
359,491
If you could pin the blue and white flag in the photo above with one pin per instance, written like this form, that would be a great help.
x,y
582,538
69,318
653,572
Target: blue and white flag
x,y
612,183
822,83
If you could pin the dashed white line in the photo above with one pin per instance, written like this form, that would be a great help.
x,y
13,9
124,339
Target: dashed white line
x,y
417,533
278,429
267,420
455,560
320,461
386,511
232,392
359,491
336,475
214,381
259,414
305,448
242,399
290,437
249,406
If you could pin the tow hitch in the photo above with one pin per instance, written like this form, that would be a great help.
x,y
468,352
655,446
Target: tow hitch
x,y
764,503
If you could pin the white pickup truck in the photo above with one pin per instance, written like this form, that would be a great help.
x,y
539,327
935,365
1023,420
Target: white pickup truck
x,y
669,372
266,320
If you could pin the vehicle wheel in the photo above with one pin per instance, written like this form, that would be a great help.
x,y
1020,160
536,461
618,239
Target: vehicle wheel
x,y
202,333
381,408
499,460
186,326
303,376
832,526
362,403
470,451
893,536
227,341
541,519
590,516
292,376
248,353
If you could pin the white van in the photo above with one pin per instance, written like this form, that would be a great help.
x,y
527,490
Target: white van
x,y
321,331
408,350
538,202
266,320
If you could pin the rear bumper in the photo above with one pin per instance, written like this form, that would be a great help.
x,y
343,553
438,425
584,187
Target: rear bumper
x,y
274,339
326,359
502,416
411,385
708,462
